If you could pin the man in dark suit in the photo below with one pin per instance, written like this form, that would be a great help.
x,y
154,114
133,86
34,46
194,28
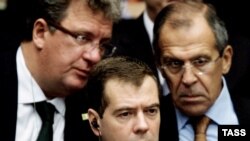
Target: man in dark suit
x,y
133,37
63,40
124,100
192,51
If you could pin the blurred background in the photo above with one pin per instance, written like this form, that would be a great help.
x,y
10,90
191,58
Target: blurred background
x,y
12,18
132,8
12,13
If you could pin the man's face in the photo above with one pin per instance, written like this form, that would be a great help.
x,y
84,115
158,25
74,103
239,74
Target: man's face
x,y
132,113
193,66
65,61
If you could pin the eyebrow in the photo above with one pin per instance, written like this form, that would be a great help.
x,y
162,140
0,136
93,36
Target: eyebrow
x,y
154,105
106,40
166,58
92,36
127,108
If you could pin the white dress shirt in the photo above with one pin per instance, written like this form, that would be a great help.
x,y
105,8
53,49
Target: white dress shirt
x,y
149,25
28,120
221,113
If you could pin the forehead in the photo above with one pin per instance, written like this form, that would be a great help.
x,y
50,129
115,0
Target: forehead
x,y
121,94
195,36
79,15
158,1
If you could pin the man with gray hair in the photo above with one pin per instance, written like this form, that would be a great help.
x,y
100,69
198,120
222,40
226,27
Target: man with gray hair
x,y
193,54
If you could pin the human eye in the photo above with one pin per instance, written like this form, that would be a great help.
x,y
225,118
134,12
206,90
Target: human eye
x,y
152,111
173,65
107,48
125,115
201,61
106,44
82,38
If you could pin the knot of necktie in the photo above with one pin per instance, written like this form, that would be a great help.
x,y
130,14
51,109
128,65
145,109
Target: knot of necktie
x,y
200,125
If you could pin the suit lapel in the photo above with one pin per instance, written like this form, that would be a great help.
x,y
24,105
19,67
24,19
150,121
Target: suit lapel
x,y
8,96
75,128
242,106
145,44
169,128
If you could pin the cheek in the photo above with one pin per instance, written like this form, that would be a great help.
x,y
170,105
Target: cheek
x,y
60,52
110,121
214,86
60,62
173,83
155,124
111,130
65,46
213,81
68,53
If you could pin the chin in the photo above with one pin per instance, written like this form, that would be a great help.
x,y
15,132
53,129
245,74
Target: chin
x,y
77,82
195,110
75,86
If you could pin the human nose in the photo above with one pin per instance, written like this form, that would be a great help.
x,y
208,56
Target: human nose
x,y
92,54
189,74
141,124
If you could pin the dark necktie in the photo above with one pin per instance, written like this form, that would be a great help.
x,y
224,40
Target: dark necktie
x,y
46,113
200,125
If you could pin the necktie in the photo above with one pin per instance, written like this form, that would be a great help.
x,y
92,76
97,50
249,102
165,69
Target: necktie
x,y
200,125
46,113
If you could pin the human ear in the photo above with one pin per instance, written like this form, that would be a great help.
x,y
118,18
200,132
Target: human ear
x,y
39,30
227,59
94,121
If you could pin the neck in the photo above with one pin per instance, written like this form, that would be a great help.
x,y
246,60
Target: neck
x,y
151,13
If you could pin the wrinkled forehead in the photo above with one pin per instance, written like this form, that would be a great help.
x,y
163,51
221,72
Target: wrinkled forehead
x,y
187,35
81,9
79,17
186,31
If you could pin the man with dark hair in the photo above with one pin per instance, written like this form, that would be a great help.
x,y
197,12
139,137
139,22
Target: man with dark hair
x,y
124,101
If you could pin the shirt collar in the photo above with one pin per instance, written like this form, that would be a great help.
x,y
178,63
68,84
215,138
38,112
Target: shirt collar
x,y
223,102
181,119
59,104
28,89
215,112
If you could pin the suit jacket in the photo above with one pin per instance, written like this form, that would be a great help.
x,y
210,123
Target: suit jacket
x,y
169,129
75,128
131,39
238,77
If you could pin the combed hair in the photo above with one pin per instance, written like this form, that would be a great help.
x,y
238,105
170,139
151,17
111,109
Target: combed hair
x,y
55,11
180,14
123,69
